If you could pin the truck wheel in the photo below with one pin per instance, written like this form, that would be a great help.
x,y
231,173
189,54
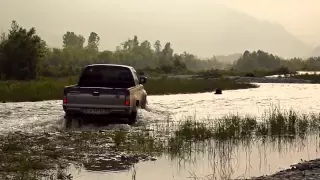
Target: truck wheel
x,y
144,102
132,118
72,122
68,122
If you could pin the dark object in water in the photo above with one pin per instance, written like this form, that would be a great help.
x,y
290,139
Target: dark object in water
x,y
249,75
218,91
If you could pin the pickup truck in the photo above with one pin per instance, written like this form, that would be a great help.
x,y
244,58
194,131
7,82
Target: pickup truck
x,y
106,90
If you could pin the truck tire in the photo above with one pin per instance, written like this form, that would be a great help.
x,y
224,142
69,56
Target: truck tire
x,y
68,122
71,122
143,102
132,118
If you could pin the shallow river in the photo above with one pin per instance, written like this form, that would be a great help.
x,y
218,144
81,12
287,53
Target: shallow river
x,y
244,160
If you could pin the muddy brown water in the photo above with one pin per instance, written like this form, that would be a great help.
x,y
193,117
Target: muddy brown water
x,y
244,160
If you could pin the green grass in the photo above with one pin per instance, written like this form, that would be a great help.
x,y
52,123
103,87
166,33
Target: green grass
x,y
181,86
52,89
36,90
314,78
275,123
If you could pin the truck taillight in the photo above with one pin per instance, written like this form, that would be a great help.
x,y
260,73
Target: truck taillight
x,y
127,101
64,99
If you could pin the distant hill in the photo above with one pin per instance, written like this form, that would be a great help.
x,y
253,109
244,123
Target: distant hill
x,y
201,28
316,51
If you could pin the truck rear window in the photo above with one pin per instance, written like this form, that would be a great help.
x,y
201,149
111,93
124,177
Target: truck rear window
x,y
106,76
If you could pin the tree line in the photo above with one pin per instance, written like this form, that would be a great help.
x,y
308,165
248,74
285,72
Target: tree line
x,y
263,61
24,56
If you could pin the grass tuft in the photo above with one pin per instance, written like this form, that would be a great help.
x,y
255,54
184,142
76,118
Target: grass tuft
x,y
274,123
191,130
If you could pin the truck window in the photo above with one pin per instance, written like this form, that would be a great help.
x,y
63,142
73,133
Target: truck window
x,y
106,76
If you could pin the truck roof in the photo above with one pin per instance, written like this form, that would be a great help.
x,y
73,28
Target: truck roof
x,y
118,65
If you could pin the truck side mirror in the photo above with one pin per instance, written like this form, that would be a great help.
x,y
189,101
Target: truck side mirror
x,y
142,80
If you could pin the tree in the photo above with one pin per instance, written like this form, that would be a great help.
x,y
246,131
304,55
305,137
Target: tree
x,y
71,40
167,50
157,47
257,60
131,45
3,37
93,42
146,45
127,45
106,57
21,51
178,64
135,42
283,70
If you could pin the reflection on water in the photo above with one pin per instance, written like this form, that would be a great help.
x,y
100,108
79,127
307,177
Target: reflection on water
x,y
217,160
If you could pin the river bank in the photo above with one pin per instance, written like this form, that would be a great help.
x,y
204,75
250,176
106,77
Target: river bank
x,y
303,170
270,80
52,89
296,79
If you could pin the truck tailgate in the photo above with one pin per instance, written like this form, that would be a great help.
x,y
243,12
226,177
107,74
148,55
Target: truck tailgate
x,y
96,97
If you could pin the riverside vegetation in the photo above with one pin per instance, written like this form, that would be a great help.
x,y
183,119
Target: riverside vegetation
x,y
314,78
48,154
51,89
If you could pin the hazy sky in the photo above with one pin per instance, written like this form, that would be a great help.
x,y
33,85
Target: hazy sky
x,y
117,20
300,17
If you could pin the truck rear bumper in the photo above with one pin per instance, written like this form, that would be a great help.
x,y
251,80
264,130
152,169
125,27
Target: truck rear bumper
x,y
74,111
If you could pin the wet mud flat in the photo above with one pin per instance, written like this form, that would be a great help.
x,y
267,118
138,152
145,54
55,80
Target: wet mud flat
x,y
48,155
305,170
